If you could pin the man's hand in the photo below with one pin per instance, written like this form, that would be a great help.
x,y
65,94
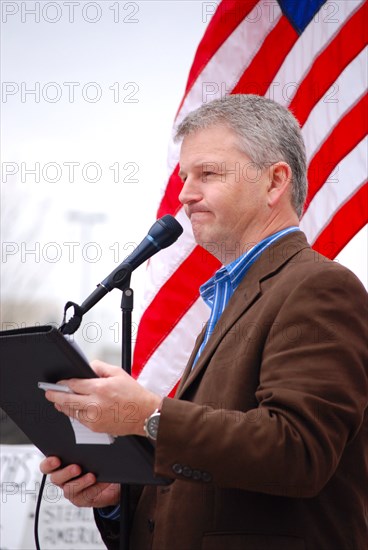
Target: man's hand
x,y
114,403
82,491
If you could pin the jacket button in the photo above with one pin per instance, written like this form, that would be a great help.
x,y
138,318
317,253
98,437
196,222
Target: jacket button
x,y
177,468
196,474
187,472
206,477
151,525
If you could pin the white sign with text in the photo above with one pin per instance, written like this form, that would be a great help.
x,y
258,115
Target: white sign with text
x,y
62,525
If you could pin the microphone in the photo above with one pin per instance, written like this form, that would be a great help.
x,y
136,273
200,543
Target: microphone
x,y
162,234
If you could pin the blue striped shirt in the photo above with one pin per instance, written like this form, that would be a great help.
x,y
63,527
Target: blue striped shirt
x,y
217,292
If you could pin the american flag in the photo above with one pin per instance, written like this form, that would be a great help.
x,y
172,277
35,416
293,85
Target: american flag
x,y
310,56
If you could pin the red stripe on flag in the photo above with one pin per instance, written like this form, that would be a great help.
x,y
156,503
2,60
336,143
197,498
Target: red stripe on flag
x,y
350,130
330,63
174,298
258,77
229,14
346,223
173,391
170,203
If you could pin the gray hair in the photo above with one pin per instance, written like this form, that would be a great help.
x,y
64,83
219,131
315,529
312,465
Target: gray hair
x,y
268,133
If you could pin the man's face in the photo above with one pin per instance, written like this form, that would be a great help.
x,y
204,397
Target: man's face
x,y
224,194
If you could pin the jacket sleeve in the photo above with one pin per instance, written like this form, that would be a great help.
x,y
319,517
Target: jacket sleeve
x,y
311,398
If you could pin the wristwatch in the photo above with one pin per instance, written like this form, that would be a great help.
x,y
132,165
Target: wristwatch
x,y
151,425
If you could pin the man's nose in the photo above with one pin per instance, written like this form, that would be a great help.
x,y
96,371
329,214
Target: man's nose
x,y
189,192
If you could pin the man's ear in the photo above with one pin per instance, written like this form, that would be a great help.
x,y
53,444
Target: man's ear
x,y
279,182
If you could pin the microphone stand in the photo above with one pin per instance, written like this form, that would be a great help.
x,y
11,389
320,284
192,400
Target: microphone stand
x,y
126,363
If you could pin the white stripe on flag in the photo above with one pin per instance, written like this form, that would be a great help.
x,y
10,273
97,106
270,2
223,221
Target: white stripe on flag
x,y
163,373
343,94
344,181
162,266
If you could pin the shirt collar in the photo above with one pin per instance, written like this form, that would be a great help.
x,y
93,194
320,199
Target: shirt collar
x,y
235,271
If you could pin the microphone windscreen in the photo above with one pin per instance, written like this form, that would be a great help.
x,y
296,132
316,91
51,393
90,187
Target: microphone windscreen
x,y
165,231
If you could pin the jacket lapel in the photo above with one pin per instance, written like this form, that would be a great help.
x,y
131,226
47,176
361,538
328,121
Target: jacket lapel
x,y
246,294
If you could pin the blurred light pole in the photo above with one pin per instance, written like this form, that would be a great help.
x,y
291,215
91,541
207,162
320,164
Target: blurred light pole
x,y
86,221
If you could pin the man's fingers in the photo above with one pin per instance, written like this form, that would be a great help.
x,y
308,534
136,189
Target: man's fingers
x,y
80,386
103,370
82,491
50,464
65,475
66,402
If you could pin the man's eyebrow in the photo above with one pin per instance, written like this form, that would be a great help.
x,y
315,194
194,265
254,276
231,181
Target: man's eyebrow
x,y
201,165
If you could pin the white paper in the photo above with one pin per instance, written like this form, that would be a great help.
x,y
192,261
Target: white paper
x,y
85,436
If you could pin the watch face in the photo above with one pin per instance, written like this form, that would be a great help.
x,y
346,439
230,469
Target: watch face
x,y
152,425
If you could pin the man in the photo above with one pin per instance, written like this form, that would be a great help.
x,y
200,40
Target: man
x,y
266,439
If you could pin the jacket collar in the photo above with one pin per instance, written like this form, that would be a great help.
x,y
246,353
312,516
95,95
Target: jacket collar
x,y
272,259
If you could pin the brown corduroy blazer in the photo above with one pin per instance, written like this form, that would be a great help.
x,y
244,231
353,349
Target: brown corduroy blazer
x,y
267,438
